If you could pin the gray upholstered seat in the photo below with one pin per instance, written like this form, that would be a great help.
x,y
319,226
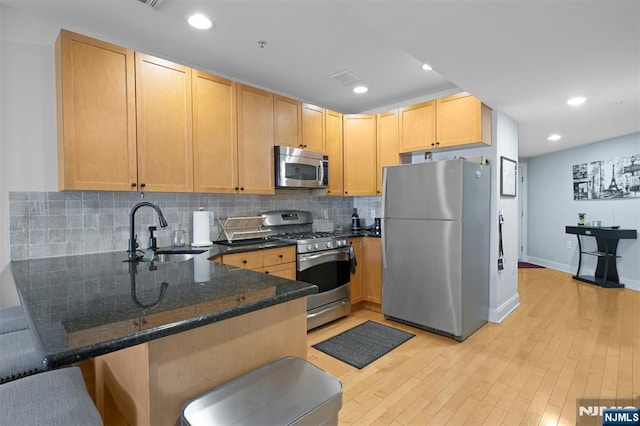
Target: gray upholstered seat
x,y
19,356
12,319
52,398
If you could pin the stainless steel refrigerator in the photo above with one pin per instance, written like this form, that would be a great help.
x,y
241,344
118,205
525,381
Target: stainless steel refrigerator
x,y
435,243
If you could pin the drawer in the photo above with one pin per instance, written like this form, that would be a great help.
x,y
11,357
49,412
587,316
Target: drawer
x,y
278,256
285,270
247,260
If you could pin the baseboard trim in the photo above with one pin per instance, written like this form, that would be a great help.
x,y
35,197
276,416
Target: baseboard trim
x,y
629,283
498,315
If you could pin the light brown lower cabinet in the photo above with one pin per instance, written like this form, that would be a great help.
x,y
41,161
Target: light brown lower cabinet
x,y
366,283
372,262
280,261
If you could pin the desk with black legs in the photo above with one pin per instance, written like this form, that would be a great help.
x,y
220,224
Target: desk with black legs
x,y
606,274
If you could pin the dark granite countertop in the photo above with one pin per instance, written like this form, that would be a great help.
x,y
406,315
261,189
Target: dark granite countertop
x,y
88,305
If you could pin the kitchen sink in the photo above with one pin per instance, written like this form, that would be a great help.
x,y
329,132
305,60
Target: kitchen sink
x,y
172,255
179,250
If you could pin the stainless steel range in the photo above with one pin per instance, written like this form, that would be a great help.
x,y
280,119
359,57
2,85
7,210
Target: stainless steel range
x,y
323,259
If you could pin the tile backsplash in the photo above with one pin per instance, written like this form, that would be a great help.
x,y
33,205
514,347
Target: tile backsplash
x,y
49,224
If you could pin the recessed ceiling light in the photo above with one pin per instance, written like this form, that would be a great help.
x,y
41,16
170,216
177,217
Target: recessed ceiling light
x,y
554,137
426,67
360,89
576,100
199,21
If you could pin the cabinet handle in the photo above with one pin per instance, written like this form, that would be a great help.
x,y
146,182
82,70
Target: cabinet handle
x,y
266,272
346,192
433,144
437,144
142,185
236,188
133,184
328,191
242,188
280,256
244,262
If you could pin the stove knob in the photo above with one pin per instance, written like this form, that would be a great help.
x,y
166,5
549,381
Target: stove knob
x,y
316,246
309,247
328,244
338,243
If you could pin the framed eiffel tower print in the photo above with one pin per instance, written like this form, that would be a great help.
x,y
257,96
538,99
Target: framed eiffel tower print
x,y
605,179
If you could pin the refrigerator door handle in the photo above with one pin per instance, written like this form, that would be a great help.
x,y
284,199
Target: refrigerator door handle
x,y
384,215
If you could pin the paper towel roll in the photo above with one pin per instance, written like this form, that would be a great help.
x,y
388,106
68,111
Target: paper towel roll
x,y
201,269
201,231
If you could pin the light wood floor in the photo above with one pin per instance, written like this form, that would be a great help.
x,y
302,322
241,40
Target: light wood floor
x,y
566,340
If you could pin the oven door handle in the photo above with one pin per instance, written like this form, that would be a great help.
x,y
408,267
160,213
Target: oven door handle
x,y
307,261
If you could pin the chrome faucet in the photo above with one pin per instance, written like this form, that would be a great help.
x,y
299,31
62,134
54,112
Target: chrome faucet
x,y
133,244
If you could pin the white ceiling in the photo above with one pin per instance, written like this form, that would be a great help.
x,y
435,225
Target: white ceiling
x,y
523,57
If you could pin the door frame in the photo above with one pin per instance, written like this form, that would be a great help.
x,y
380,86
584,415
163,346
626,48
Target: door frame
x,y
523,209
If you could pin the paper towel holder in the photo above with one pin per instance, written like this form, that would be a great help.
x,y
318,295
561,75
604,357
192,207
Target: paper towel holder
x,y
201,229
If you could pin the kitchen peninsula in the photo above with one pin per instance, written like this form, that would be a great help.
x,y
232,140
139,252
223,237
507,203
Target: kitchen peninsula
x,y
159,333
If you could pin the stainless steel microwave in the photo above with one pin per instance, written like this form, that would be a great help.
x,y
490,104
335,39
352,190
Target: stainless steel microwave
x,y
301,168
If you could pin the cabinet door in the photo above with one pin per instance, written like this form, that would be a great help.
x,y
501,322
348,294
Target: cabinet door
x,y
388,134
356,279
215,142
460,120
372,282
165,147
95,88
359,154
255,141
333,132
285,270
287,121
418,127
313,128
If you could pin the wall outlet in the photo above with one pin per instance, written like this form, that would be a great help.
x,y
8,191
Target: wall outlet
x,y
325,214
372,214
569,244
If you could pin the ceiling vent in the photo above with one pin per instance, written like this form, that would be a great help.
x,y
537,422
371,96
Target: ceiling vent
x,y
151,3
344,78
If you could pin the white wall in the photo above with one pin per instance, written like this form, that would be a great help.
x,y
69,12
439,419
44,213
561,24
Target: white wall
x,y
28,156
551,208
503,286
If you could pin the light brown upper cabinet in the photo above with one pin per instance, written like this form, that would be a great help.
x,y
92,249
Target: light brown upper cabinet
x,y
462,119
215,142
359,132
417,127
333,141
313,118
255,141
164,119
287,121
388,136
95,88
